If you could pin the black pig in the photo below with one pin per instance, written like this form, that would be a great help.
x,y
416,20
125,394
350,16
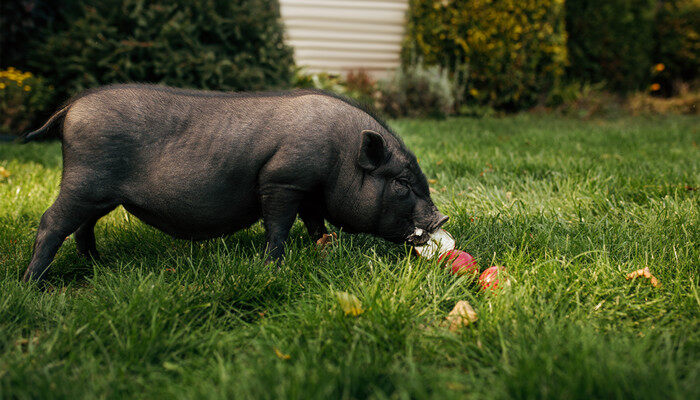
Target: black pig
x,y
199,164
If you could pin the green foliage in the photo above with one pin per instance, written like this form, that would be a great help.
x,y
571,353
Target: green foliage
x,y
515,50
611,41
23,98
418,91
211,44
320,80
361,86
358,85
21,21
567,206
585,100
677,44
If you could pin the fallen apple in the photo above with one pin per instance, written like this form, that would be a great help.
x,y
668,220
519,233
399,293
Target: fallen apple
x,y
460,262
489,279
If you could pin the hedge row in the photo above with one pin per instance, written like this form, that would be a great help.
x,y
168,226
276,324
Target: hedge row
x,y
210,44
509,54
515,51
611,41
676,44
22,23
629,44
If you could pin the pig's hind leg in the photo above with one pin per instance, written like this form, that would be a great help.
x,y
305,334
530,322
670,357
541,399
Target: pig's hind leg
x,y
85,236
64,217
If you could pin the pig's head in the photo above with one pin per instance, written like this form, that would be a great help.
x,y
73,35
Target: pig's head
x,y
389,195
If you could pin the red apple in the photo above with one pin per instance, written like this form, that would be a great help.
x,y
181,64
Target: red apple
x,y
460,262
489,278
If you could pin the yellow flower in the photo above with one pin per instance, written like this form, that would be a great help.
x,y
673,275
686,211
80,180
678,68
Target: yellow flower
x,y
659,67
27,88
2,85
654,87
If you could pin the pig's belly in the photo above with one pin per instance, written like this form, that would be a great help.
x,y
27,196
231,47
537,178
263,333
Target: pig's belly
x,y
196,215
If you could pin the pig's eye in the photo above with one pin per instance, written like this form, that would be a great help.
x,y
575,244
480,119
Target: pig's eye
x,y
403,187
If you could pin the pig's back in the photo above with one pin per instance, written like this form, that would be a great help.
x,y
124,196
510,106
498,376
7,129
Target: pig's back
x,y
172,160
184,161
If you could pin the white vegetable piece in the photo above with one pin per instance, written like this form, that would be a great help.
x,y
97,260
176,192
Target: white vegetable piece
x,y
439,243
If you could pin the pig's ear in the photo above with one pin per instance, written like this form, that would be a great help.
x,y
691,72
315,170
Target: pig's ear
x,y
373,151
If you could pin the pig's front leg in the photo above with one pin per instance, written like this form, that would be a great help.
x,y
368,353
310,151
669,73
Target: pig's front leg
x,y
280,205
311,214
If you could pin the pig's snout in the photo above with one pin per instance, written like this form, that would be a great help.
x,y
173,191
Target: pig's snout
x,y
421,236
418,237
439,221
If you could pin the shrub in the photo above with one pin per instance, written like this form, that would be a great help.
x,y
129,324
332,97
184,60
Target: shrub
x,y
20,24
418,91
321,80
515,51
585,100
361,86
211,44
23,98
358,86
610,41
677,45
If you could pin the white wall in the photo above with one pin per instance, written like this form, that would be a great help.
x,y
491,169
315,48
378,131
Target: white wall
x,y
341,35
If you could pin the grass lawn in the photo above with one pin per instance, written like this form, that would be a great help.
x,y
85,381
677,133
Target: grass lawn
x,y
567,206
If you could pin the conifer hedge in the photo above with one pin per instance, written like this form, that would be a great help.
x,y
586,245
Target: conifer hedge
x,y
676,44
210,44
21,25
611,41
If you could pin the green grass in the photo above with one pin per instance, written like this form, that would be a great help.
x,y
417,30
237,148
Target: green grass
x,y
568,206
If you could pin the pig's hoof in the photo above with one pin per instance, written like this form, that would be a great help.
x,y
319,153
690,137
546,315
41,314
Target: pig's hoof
x,y
37,281
90,255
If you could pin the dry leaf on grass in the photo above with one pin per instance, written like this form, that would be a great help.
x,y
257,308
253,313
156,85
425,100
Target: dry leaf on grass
x,y
350,304
325,240
645,273
4,173
461,315
281,355
24,343
432,181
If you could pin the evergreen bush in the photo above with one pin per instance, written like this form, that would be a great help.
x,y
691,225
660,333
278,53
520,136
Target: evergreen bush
x,y
21,25
611,41
515,51
23,98
676,45
208,44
